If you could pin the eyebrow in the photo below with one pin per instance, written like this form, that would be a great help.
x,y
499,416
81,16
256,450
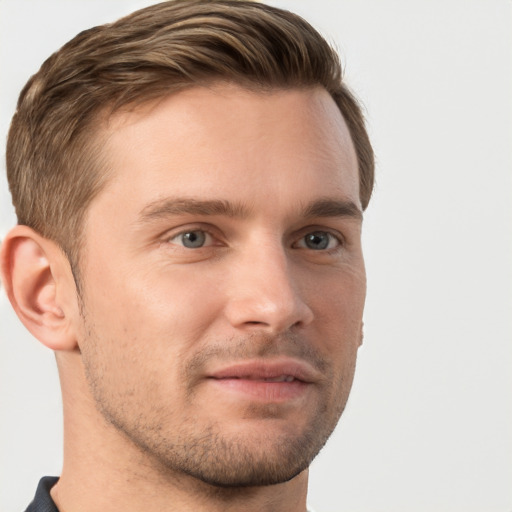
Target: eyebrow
x,y
183,206
325,207
333,208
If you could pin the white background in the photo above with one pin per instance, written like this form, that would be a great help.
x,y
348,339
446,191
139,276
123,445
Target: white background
x,y
429,423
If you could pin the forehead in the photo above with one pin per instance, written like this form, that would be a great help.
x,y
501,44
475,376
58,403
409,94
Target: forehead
x,y
224,141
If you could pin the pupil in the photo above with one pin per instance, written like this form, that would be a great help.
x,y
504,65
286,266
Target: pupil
x,y
317,240
194,239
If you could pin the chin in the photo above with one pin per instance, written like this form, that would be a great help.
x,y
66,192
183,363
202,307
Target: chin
x,y
234,461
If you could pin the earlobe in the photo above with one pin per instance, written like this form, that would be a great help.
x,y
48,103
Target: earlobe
x,y
32,275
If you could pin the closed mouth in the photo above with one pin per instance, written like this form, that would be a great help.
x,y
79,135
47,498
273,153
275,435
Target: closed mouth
x,y
280,378
278,370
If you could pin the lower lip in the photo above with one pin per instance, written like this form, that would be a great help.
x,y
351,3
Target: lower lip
x,y
264,390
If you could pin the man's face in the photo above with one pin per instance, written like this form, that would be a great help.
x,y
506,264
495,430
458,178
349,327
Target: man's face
x,y
223,281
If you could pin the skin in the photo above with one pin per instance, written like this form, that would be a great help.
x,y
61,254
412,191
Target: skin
x,y
163,357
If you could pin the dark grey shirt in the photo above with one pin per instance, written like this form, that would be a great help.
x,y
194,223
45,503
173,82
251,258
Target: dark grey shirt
x,y
42,501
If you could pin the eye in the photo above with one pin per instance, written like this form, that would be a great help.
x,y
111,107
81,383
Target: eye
x,y
193,239
318,241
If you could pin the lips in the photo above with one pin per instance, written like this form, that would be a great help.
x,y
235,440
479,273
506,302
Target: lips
x,y
279,370
274,381
282,378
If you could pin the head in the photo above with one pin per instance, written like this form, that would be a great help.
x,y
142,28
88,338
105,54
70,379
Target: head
x,y
202,168
53,157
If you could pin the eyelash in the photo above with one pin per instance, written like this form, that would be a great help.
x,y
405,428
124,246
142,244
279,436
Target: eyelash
x,y
170,236
189,231
316,232
340,242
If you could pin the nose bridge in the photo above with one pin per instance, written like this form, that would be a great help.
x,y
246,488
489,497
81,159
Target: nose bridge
x,y
265,292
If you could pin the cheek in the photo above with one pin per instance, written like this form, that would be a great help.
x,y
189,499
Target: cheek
x,y
338,315
339,302
154,308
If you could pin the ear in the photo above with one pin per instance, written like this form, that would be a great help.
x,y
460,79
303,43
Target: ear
x,y
37,278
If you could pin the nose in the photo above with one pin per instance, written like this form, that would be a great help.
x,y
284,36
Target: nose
x,y
265,293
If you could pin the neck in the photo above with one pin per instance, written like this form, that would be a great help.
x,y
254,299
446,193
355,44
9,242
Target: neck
x,y
104,470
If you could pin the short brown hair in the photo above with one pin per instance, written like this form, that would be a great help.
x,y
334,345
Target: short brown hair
x,y
52,163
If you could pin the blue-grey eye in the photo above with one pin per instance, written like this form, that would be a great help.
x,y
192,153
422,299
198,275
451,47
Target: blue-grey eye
x,y
319,241
191,239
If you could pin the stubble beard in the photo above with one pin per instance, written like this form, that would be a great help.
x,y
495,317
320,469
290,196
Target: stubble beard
x,y
209,454
230,461
234,460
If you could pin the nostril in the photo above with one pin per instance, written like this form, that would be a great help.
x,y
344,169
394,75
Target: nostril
x,y
276,308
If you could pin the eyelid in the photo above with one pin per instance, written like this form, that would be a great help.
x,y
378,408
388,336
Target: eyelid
x,y
218,238
322,229
301,244
173,233
176,239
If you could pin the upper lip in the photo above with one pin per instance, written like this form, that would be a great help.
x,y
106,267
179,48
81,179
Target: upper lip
x,y
267,369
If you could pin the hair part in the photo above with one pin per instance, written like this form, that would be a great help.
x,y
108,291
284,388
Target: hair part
x,y
54,165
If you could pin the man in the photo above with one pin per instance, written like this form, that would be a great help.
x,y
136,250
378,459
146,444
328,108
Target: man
x,y
189,184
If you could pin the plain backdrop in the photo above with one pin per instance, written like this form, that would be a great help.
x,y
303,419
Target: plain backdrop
x,y
428,426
